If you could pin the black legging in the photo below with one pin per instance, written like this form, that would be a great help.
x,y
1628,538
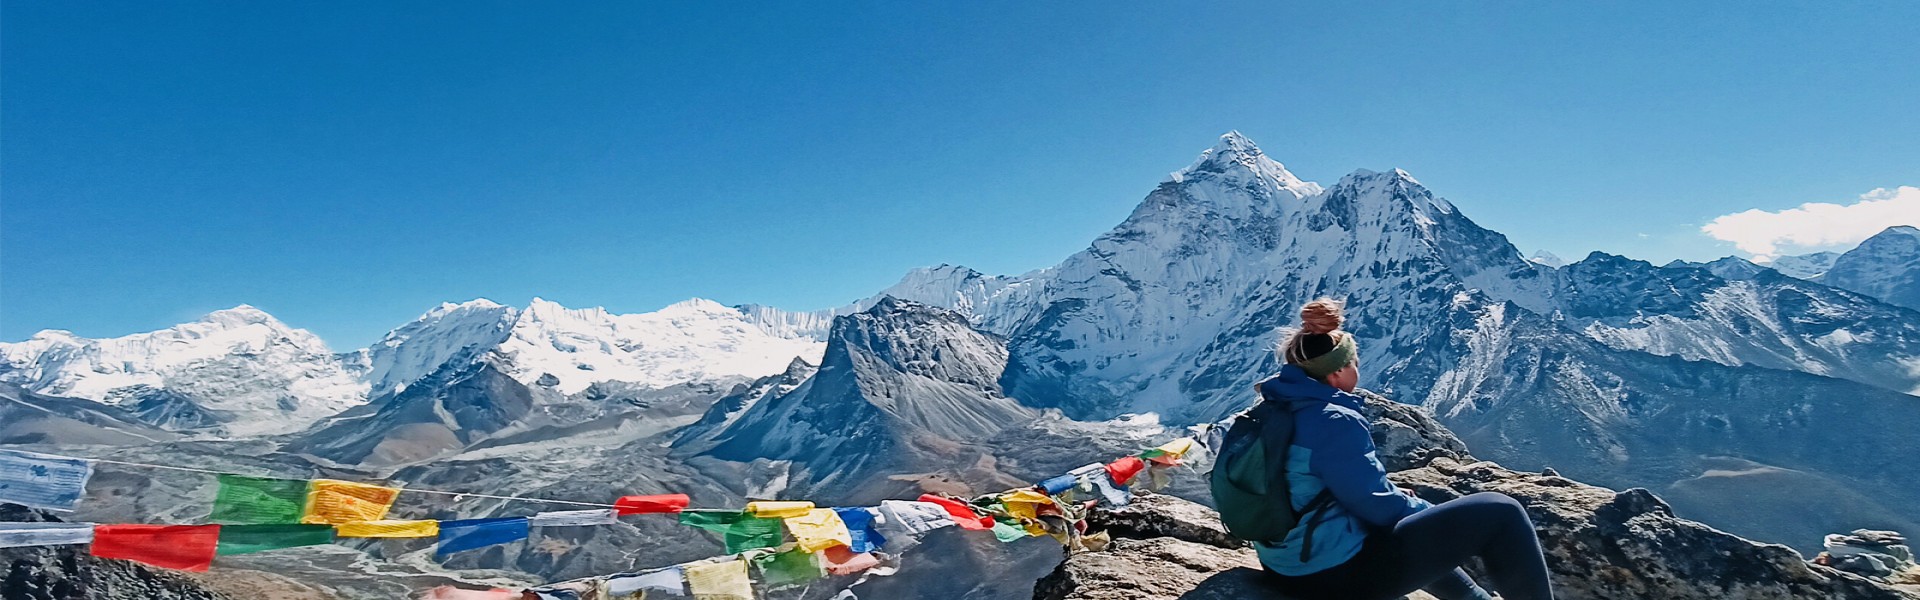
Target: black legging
x,y
1425,551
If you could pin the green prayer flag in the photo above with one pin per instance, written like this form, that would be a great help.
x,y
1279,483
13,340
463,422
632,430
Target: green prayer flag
x,y
243,539
740,531
788,568
258,500
1006,532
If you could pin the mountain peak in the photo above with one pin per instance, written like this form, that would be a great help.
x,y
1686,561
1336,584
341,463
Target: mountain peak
x,y
240,316
1236,158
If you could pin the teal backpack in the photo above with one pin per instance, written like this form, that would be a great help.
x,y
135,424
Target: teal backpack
x,y
1249,478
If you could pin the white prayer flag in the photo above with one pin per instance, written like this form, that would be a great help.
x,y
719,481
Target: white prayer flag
x,y
14,535
573,518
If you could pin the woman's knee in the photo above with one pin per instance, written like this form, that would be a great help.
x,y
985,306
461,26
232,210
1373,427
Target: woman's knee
x,y
1496,502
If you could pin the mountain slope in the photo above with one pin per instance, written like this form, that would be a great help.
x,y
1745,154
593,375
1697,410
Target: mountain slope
x,y
1885,266
1804,266
901,387
1765,319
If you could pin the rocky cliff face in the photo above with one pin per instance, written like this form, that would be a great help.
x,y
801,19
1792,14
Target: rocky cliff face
x,y
1599,543
68,573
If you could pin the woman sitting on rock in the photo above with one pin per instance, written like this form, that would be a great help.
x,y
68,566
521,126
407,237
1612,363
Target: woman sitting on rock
x,y
1357,536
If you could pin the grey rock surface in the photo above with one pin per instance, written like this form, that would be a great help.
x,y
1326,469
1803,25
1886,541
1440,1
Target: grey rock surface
x,y
69,573
1601,543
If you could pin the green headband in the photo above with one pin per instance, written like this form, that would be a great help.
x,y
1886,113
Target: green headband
x,y
1319,367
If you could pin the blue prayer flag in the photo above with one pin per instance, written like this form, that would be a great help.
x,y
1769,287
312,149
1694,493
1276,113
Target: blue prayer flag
x,y
1057,485
860,523
456,536
43,481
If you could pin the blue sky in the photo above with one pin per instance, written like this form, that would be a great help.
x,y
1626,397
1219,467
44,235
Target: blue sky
x,y
347,165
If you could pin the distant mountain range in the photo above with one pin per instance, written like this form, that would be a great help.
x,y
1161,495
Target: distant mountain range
x,y
1612,370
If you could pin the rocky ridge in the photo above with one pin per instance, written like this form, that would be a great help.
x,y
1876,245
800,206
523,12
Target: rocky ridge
x,y
1599,543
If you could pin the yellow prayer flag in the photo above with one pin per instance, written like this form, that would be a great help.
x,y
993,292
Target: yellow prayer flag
x,y
1035,528
1025,504
770,509
388,529
720,581
1177,448
819,529
333,502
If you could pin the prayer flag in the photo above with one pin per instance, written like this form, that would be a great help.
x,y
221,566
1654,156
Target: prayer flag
x,y
634,586
1110,492
1123,470
333,502
447,592
719,581
468,534
583,589
739,531
842,561
962,513
15,534
658,503
819,529
861,525
574,518
1058,485
789,568
43,480
1025,504
1158,478
258,500
183,547
246,539
1177,448
769,509
1008,532
914,517
1035,528
904,522
388,529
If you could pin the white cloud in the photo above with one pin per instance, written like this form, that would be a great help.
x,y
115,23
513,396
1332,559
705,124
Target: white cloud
x,y
1817,224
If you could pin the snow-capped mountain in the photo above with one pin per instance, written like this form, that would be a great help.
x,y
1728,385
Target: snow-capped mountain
x,y
480,373
238,370
1765,319
1804,266
1885,266
571,349
1175,311
1547,259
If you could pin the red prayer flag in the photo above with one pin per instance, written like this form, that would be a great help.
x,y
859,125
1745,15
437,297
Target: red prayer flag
x,y
842,560
661,503
183,547
1123,470
962,513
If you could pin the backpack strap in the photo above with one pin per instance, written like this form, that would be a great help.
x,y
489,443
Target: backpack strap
x,y
1324,498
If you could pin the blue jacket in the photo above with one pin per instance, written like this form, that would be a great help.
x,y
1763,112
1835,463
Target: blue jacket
x,y
1332,450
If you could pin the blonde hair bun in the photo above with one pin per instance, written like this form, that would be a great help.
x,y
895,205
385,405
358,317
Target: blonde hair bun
x,y
1321,316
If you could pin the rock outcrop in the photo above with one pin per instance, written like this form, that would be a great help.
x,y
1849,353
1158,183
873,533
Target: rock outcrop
x,y
1619,545
1600,544
1163,548
69,573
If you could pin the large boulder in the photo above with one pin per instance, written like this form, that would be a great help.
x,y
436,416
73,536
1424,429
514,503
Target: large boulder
x,y
1163,548
1604,544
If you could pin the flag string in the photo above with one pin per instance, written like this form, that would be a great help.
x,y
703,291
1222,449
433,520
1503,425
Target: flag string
x,y
408,489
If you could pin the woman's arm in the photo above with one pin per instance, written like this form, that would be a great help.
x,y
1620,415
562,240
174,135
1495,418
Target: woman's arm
x,y
1344,459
